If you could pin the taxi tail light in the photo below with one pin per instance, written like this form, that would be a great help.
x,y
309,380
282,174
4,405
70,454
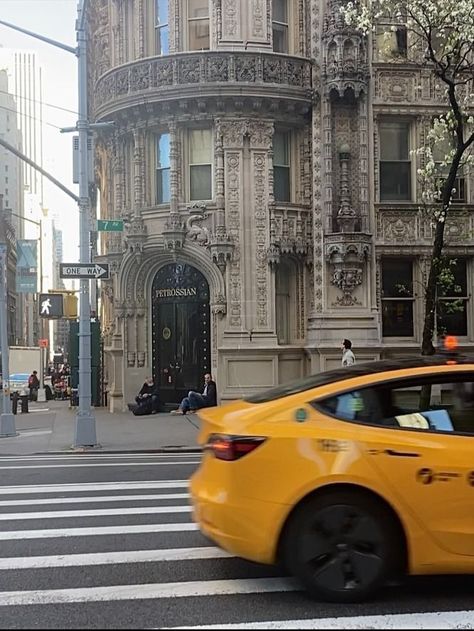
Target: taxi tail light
x,y
231,448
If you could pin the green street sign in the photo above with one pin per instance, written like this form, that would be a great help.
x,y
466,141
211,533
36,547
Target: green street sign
x,y
109,225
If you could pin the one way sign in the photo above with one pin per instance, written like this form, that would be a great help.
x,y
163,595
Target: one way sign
x,y
78,270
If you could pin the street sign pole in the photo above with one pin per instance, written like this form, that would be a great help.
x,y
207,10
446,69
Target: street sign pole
x,y
7,419
85,431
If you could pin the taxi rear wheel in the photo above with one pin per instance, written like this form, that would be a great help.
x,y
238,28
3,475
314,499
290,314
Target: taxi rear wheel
x,y
342,546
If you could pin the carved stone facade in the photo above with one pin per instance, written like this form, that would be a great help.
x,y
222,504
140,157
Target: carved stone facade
x,y
291,235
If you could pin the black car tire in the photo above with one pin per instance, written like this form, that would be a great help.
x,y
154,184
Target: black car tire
x,y
343,546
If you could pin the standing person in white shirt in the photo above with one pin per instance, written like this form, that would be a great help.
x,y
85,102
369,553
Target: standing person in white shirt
x,y
348,357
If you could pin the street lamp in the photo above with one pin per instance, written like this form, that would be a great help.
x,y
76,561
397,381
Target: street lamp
x,y
85,431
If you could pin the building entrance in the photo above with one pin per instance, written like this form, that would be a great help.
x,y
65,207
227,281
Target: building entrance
x,y
181,331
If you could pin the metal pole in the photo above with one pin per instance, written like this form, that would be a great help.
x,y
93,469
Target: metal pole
x,y
85,433
7,419
41,393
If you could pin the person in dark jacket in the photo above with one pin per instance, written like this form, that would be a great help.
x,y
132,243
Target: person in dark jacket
x,y
33,385
147,400
197,400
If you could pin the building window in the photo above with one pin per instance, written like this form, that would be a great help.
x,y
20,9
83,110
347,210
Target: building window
x,y
395,163
441,150
162,165
285,301
452,300
162,45
397,298
198,25
392,42
200,164
280,25
281,166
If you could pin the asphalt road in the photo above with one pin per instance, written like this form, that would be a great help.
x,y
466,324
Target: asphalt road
x,y
106,541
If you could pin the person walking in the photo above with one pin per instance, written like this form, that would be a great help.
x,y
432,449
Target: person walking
x,y
197,400
348,357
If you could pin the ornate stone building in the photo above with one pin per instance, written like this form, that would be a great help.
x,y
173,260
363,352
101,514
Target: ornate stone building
x,y
261,161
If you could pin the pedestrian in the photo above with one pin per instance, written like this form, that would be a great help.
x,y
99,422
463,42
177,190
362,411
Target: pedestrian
x,y
348,357
147,400
33,385
197,400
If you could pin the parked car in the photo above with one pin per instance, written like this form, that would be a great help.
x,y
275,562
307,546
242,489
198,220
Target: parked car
x,y
19,383
348,478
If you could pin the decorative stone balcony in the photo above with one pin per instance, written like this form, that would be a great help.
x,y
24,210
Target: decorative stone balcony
x,y
208,79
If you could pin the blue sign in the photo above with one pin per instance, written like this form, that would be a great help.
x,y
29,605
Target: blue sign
x,y
26,266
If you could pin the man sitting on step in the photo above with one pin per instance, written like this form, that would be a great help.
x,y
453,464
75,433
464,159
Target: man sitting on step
x,y
196,400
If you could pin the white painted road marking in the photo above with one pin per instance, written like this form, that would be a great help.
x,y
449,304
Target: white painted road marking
x,y
98,455
148,591
92,486
430,620
98,512
99,464
94,498
107,558
51,533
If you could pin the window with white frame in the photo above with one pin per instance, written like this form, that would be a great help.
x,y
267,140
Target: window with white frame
x,y
162,46
281,166
397,297
200,164
395,162
452,299
280,26
198,25
162,168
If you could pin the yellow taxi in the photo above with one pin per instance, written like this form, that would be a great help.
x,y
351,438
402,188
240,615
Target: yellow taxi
x,y
348,478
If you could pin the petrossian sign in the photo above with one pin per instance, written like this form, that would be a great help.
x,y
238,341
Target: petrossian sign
x,y
176,292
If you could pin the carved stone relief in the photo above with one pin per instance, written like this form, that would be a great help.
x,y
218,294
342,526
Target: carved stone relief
x,y
231,28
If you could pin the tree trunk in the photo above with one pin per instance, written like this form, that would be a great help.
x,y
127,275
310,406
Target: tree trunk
x,y
427,347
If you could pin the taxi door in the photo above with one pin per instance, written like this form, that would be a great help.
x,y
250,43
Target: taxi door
x,y
432,475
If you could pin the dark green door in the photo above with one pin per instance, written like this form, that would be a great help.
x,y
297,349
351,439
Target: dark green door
x,y
181,331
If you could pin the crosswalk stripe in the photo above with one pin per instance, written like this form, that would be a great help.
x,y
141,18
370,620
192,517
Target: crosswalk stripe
x,y
51,533
99,464
429,620
107,558
98,455
92,486
94,499
148,591
96,512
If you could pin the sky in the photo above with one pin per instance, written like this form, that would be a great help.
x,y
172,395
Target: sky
x,y
54,19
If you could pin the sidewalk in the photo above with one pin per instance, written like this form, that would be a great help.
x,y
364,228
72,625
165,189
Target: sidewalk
x,y
50,426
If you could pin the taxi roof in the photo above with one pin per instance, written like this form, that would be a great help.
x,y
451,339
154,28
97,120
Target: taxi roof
x,y
357,370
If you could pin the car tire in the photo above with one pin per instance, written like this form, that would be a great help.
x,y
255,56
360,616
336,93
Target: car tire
x,y
343,546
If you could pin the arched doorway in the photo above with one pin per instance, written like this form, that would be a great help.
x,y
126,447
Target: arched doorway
x,y
180,331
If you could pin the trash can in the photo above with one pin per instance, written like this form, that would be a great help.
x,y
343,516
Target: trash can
x,y
15,396
24,403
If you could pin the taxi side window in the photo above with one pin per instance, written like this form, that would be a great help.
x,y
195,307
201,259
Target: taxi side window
x,y
429,404
363,406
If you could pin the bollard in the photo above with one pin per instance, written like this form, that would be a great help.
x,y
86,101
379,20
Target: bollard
x,y
15,398
24,403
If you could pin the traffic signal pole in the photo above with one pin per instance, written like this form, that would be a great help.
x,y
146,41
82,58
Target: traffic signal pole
x,y
85,433
85,430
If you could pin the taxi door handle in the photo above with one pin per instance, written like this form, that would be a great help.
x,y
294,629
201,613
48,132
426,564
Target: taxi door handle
x,y
402,454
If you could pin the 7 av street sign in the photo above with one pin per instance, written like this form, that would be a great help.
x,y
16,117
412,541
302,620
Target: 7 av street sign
x,y
78,270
